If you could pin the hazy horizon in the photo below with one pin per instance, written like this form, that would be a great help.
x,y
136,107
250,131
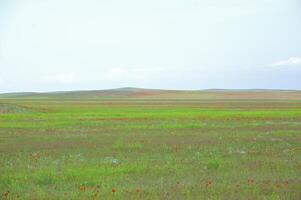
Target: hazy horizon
x,y
54,45
163,89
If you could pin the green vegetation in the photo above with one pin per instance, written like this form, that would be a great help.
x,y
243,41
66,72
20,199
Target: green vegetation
x,y
150,149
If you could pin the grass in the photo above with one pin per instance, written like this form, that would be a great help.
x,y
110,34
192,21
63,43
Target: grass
x,y
150,149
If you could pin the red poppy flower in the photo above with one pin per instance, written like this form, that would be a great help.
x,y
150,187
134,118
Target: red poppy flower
x,y
209,183
82,188
5,194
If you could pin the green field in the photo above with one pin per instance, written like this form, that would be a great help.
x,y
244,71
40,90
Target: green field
x,y
142,147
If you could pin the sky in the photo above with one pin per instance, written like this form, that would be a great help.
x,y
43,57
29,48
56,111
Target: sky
x,y
56,45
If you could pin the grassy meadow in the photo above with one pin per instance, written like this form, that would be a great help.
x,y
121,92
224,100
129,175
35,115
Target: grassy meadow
x,y
144,148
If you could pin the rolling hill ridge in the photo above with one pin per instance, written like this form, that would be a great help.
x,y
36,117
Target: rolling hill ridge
x,y
141,93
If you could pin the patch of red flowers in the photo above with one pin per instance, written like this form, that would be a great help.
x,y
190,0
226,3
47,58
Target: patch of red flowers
x,y
114,190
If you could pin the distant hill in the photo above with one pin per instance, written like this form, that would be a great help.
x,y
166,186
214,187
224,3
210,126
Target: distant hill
x,y
141,93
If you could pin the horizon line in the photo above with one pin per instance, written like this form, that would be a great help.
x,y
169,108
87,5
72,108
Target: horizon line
x,y
138,88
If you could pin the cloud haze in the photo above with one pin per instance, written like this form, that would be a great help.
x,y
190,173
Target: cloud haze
x,y
55,45
289,61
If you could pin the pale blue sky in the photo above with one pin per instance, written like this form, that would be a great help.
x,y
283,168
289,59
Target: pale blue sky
x,y
51,45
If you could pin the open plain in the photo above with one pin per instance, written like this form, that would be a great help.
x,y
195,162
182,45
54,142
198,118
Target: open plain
x,y
150,144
